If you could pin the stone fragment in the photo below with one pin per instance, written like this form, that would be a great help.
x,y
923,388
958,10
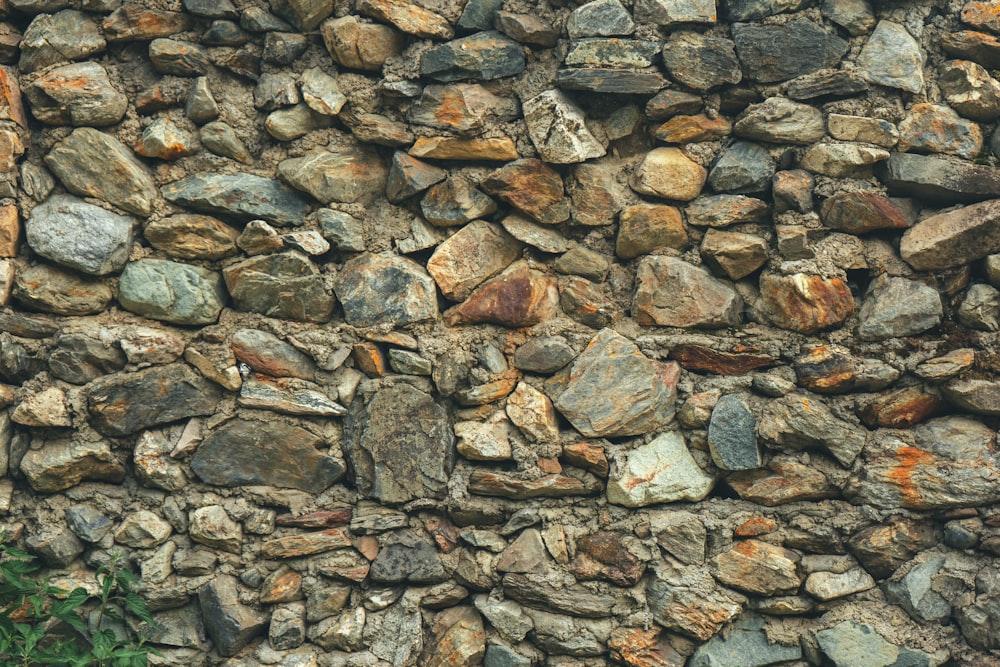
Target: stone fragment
x,y
726,210
77,94
599,18
692,605
544,354
57,547
526,28
952,238
891,57
671,292
201,107
732,440
532,187
408,17
303,14
164,140
499,149
938,179
558,129
859,645
412,298
370,128
229,623
533,234
898,307
861,128
693,129
981,15
190,236
61,464
288,396
823,83
970,90
484,441
474,254
135,22
55,38
670,174
94,164
172,292
355,176
797,421
747,644
47,408
291,123
612,53
358,45
937,128
531,411
343,231
914,593
409,176
662,471
266,353
400,445
758,567
784,480
779,120
701,62
79,359
778,53
826,586
143,530
170,56
670,12
285,285
87,523
240,196
478,15
484,55
244,452
945,366
465,108
153,466
518,297
305,544
645,390
832,369
405,558
862,212
974,395
980,308
705,359
802,302
743,168
81,236
516,487
643,228
457,637
55,290
604,555
882,548
620,81
733,254
596,194
221,139
213,527
583,262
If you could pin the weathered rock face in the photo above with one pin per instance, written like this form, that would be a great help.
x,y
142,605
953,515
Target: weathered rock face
x,y
81,236
661,472
406,292
671,292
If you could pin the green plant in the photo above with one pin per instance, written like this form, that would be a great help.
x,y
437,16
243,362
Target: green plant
x,y
41,624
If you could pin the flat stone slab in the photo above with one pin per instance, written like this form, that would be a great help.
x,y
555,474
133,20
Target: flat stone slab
x,y
240,196
172,291
953,238
939,179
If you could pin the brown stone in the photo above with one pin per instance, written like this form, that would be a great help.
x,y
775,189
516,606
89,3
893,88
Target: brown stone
x,y
803,302
306,544
133,22
283,586
489,392
587,455
947,365
862,212
636,647
359,45
63,292
518,297
645,227
733,254
408,17
191,236
499,149
506,485
699,611
595,193
463,108
456,637
370,359
318,519
671,292
831,369
604,556
10,231
758,567
982,15
901,408
669,173
586,302
979,47
704,359
785,480
11,107
532,187
477,252
882,548
690,129
953,238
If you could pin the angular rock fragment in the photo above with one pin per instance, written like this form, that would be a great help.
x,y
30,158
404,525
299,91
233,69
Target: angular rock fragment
x,y
604,555
54,38
357,175
457,637
240,196
778,53
733,254
831,369
939,179
952,238
862,212
599,18
190,236
701,62
970,90
780,120
892,58
692,605
164,140
937,128
77,94
135,22
611,81
518,297
898,307
46,408
409,294
284,285
484,55
500,149
230,624
516,487
671,292
558,129
543,591
883,548
861,128
61,464
409,176
171,56
758,567
853,643
58,291
797,421
726,210
532,187
661,472
805,303
474,254
409,18
743,168
732,439
693,129
784,480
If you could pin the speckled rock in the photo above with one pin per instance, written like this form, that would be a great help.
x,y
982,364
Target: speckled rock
x,y
484,55
898,307
902,69
81,236
662,471
671,292
412,297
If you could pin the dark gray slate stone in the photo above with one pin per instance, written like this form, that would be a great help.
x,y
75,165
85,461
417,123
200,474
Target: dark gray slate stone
x,y
484,55
853,644
498,655
172,291
599,18
243,452
744,168
479,15
384,289
732,437
820,84
744,644
285,285
898,307
544,354
88,524
752,10
79,235
914,593
701,61
399,445
60,37
405,558
342,230
615,81
938,179
772,53
230,624
79,359
239,196
125,403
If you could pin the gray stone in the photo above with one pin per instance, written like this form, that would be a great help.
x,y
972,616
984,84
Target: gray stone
x,y
953,238
620,81
293,122
974,395
79,359
409,363
970,90
558,129
826,586
661,472
580,261
87,523
125,403
773,53
701,61
405,558
797,421
670,12
626,53
599,18
681,534
732,438
939,179
213,9
283,48
221,139
855,16
726,210
612,390
484,55
782,121
746,644
479,15
212,526
284,285
143,530
77,94
61,464
891,57
57,547
691,604
545,591
245,452
287,629
526,28
170,56
400,445
454,202
825,83
753,10
172,291
980,308
94,164
758,567
832,369
743,168
288,396
321,92
535,235
409,176
342,230
53,290
356,175
853,644
164,140
79,235
914,593
671,292
406,295
153,465
55,38
229,623
898,307
733,254
543,354
239,196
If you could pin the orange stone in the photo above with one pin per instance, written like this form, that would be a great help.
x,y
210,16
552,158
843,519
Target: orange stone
x,y
700,358
587,455
760,525
636,647
452,148
369,359
10,231
690,129
11,107
294,546
285,587
518,297
902,408
805,303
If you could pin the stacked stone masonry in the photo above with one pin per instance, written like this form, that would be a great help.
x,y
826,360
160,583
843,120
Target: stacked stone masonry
x,y
509,332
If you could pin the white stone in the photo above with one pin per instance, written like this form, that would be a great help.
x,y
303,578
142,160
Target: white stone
x,y
484,441
830,586
532,412
558,129
661,472
46,408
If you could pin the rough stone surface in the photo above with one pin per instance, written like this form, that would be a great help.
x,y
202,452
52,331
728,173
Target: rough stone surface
x,y
78,94
410,290
172,292
891,57
898,307
662,471
240,196
671,292
81,236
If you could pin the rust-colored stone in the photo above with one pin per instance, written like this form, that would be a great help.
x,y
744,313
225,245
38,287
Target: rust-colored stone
x,y
587,455
884,547
444,532
549,465
700,358
135,22
758,567
499,149
982,15
294,546
284,587
979,47
805,303
901,408
759,525
691,129
604,556
370,359
11,107
490,483
518,297
320,519
783,481
10,231
532,187
636,647
862,212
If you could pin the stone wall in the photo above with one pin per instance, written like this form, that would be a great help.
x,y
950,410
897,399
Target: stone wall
x,y
378,332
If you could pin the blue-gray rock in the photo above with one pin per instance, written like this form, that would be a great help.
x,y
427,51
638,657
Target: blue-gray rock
x,y
543,354
980,308
221,139
484,55
939,179
853,644
615,81
239,196
79,235
124,403
172,292
94,164
745,644
229,623
914,593
479,15
898,307
88,524
284,285
400,445
701,61
753,10
283,48
599,18
248,452
498,655
405,558
670,12
742,169
385,289
79,359
980,621
891,57
732,437
342,230
60,37
771,53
